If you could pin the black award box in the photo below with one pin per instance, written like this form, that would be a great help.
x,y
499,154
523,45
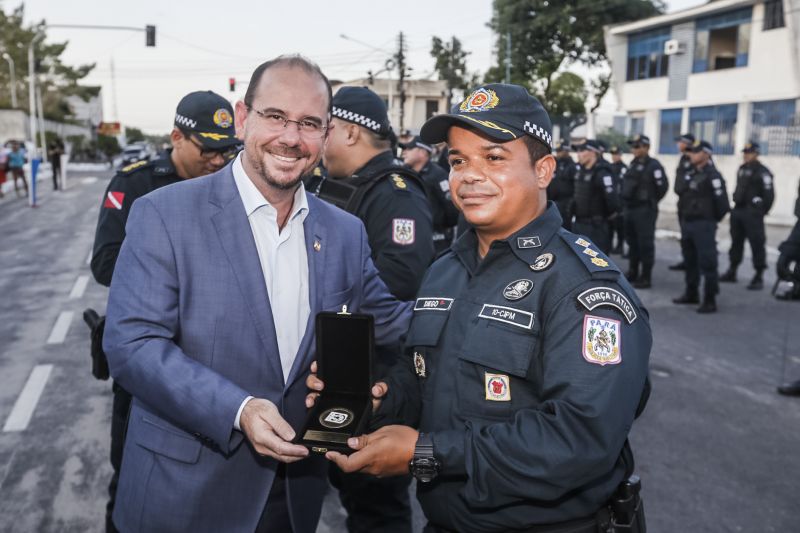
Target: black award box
x,y
345,351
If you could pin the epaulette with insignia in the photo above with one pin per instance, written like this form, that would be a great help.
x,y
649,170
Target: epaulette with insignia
x,y
398,182
595,261
133,166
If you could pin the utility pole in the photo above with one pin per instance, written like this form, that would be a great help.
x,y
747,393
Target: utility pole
x,y
12,71
401,69
41,122
508,58
114,90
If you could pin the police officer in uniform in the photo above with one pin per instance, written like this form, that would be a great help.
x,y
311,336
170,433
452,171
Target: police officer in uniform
x,y
203,141
705,203
417,155
684,143
527,354
364,178
562,187
617,226
596,201
788,269
644,185
752,200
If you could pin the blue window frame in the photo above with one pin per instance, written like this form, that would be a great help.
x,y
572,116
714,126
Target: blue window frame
x,y
715,124
669,130
637,126
646,57
776,127
722,41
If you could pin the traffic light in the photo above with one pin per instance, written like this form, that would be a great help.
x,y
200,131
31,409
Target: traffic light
x,y
232,84
150,35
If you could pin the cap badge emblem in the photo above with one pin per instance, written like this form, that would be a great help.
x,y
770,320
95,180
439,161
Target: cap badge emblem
x,y
223,118
480,100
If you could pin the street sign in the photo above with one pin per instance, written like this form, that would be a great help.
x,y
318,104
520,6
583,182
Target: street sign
x,y
109,128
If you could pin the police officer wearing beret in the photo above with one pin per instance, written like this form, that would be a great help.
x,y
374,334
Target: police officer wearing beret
x,y
644,185
596,201
417,155
527,354
365,179
203,141
562,187
752,200
705,203
617,226
684,143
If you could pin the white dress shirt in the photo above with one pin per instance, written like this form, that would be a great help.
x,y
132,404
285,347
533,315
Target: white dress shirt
x,y
284,263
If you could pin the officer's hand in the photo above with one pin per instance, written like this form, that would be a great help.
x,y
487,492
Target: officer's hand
x,y
268,432
378,391
315,384
384,453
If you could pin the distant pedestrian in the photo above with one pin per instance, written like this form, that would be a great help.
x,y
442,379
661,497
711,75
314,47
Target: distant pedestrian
x,y
16,160
752,200
3,169
54,152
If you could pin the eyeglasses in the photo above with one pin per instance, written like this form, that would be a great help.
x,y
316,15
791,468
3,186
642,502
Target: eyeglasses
x,y
211,153
275,122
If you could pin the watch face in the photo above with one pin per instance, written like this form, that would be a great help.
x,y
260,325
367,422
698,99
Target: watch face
x,y
336,418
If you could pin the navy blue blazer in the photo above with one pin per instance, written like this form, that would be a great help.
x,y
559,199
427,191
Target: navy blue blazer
x,y
190,334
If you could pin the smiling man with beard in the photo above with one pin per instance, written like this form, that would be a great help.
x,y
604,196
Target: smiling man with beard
x,y
210,323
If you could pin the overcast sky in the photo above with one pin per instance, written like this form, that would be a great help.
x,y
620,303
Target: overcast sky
x,y
203,43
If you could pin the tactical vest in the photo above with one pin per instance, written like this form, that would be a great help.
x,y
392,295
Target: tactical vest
x,y
749,183
638,187
590,200
698,200
348,194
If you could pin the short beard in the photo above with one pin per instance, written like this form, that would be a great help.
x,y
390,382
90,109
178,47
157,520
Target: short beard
x,y
261,169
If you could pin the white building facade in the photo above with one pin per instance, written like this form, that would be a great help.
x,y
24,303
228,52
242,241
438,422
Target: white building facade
x,y
728,72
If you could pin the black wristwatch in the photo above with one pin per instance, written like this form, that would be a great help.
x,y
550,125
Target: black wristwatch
x,y
424,466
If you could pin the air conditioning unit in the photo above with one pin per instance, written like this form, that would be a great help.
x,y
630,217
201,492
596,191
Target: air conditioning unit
x,y
674,46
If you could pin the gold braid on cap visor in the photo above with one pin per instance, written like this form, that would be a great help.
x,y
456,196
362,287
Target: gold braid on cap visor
x,y
490,124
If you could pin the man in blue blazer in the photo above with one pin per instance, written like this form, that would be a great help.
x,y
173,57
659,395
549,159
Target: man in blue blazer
x,y
210,323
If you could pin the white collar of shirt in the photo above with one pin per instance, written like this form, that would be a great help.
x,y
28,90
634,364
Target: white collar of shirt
x,y
253,199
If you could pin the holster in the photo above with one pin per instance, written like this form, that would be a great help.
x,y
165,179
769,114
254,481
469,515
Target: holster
x,y
96,325
625,511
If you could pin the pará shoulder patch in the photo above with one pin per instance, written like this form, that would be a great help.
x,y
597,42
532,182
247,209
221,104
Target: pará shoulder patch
x,y
596,297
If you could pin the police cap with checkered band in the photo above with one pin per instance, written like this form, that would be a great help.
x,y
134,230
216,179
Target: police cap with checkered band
x,y
209,117
501,111
361,106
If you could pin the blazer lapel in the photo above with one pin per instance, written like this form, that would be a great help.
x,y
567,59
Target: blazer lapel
x,y
236,238
316,250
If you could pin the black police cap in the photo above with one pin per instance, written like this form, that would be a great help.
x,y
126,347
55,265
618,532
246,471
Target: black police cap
x,y
417,142
361,106
639,139
751,148
563,146
210,117
501,111
702,146
592,145
687,138
614,150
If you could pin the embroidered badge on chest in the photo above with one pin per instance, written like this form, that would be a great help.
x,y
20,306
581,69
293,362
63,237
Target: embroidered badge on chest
x,y
602,340
516,290
403,231
497,387
419,364
543,262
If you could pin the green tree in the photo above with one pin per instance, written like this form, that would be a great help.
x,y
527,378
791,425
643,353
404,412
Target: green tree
x,y
134,135
566,101
548,35
56,79
108,145
451,65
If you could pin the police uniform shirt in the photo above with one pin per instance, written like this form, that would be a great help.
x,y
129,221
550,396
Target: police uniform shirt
x,y
528,368
562,185
754,187
706,196
437,183
130,183
595,195
644,183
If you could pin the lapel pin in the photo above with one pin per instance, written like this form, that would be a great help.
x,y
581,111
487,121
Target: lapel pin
x,y
317,246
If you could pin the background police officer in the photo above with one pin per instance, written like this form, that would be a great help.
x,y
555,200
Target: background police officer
x,y
203,141
562,187
617,226
417,155
364,178
644,185
596,202
522,421
684,143
788,269
705,204
752,200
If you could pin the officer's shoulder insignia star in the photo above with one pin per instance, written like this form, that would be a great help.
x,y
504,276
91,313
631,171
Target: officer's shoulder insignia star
x,y
133,166
583,242
399,182
599,261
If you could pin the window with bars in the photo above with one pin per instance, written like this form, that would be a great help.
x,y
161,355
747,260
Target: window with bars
x,y
722,41
669,129
715,124
776,127
773,15
646,57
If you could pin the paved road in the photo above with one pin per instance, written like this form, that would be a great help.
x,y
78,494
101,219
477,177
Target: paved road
x,y
717,448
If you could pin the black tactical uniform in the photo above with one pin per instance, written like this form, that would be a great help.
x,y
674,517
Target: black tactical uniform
x,y
644,185
684,166
595,203
705,203
528,368
390,199
443,211
752,200
788,269
562,187
130,183
617,226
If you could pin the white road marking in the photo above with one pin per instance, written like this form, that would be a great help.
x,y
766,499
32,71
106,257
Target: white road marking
x,y
88,180
60,328
79,288
26,403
